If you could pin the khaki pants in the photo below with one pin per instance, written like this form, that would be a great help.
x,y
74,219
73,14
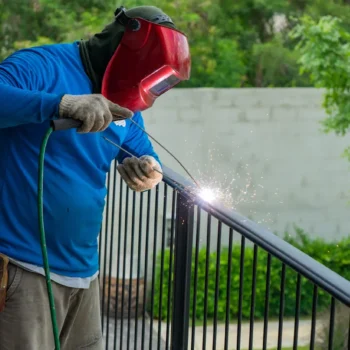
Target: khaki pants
x,y
25,323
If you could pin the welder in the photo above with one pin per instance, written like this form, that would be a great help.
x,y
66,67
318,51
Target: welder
x,y
102,82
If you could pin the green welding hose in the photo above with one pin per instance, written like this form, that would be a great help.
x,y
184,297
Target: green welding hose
x,y
43,239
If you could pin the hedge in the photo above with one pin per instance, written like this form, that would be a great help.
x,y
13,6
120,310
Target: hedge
x,y
335,255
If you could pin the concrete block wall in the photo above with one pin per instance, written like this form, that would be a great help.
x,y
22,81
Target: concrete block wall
x,y
265,149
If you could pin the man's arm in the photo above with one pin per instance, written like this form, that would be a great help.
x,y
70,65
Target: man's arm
x,y
21,102
142,172
24,77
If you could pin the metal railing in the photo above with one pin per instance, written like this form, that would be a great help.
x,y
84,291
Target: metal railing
x,y
179,273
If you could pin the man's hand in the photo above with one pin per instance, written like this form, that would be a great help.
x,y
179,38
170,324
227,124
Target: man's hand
x,y
95,111
139,173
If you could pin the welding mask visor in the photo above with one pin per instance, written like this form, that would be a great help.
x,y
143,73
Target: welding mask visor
x,y
151,59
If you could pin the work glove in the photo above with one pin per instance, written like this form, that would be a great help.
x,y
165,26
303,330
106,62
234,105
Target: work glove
x,y
141,174
95,111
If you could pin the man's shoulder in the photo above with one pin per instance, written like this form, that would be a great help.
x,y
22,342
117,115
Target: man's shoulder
x,y
42,53
56,48
53,51
38,67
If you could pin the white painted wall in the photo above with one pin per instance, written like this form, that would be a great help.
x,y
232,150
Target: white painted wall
x,y
267,139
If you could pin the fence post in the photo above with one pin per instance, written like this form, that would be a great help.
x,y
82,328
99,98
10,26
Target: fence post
x,y
182,273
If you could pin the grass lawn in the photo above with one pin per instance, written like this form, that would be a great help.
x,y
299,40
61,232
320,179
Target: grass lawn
x,y
299,348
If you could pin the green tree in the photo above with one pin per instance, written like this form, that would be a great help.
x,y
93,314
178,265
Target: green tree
x,y
233,43
324,47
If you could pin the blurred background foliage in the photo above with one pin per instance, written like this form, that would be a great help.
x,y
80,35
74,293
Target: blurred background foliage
x,y
241,43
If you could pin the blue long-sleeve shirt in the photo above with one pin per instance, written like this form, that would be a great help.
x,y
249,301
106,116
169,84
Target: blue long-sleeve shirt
x,y
32,83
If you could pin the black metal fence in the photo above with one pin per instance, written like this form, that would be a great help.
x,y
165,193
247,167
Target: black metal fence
x,y
179,273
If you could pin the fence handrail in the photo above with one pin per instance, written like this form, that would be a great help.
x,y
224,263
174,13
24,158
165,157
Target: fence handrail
x,y
302,263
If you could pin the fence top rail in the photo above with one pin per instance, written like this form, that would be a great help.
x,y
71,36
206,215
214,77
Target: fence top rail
x,y
302,263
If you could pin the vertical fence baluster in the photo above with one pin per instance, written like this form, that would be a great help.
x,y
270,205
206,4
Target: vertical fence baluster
x,y
111,253
313,319
349,331
131,263
331,325
297,313
124,264
139,256
217,280
105,253
170,279
267,301
146,269
207,264
100,241
182,273
165,197
281,312
253,295
118,262
228,289
154,266
240,297
195,283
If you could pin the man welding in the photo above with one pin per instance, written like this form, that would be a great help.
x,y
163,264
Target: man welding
x,y
102,82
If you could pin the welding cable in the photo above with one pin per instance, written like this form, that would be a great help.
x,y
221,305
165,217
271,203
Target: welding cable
x,y
43,239
166,150
133,156
128,153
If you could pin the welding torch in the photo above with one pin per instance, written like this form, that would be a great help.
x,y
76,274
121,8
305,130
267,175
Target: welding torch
x,y
68,123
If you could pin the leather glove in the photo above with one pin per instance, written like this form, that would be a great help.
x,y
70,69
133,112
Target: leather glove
x,y
95,111
139,173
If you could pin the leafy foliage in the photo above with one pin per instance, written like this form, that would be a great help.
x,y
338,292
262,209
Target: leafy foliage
x,y
325,55
333,255
234,44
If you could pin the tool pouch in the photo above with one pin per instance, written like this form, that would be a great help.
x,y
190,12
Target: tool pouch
x,y
3,280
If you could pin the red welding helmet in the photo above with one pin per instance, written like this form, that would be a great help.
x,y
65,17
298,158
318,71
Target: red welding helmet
x,y
150,59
